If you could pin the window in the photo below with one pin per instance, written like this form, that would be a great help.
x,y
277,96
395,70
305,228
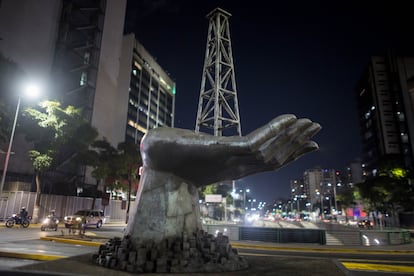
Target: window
x,y
83,79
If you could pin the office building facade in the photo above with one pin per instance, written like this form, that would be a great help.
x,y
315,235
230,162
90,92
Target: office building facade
x,y
73,49
77,49
151,91
321,185
385,97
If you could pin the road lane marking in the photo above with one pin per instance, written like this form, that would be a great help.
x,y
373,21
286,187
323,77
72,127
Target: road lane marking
x,y
322,250
375,261
29,256
378,267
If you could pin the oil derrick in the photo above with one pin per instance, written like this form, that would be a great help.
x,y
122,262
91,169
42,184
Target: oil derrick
x,y
218,110
218,107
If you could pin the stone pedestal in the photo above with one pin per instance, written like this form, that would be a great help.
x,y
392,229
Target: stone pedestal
x,y
166,206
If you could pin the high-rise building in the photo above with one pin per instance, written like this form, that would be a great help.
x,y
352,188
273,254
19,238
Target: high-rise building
x,y
385,96
355,173
298,194
321,185
73,48
77,49
151,97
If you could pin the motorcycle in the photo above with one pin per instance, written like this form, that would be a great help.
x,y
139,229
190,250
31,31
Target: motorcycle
x,y
50,222
16,219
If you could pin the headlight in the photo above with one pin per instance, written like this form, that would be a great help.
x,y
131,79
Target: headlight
x,y
65,218
57,221
46,221
78,219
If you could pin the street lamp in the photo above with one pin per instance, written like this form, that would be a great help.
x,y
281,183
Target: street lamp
x,y
321,199
244,197
31,90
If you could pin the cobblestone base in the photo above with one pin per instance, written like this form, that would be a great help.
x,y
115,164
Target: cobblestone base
x,y
198,252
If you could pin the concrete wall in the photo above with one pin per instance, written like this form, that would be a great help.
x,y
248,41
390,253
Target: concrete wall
x,y
11,203
106,105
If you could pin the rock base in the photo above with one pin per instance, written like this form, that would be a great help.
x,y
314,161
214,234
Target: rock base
x,y
198,252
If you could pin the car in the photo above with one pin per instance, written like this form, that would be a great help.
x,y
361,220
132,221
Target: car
x,y
85,218
366,224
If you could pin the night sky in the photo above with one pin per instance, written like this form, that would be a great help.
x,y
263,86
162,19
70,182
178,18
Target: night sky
x,y
289,57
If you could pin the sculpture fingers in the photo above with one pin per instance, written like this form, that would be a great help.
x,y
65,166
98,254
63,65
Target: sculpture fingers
x,y
282,146
305,148
297,146
261,135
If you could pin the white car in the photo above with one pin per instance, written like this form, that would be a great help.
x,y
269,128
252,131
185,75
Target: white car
x,y
85,218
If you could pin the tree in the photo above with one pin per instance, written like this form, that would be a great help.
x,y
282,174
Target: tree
x,y
128,162
389,190
346,198
113,165
57,130
100,157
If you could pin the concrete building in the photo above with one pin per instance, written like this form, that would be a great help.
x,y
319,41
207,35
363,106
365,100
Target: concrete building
x,y
73,48
385,95
151,98
298,194
77,50
321,185
355,173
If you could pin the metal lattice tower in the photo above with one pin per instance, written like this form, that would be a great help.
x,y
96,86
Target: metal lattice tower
x,y
218,107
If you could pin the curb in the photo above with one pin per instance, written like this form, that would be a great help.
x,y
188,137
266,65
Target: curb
x,y
321,250
72,241
30,256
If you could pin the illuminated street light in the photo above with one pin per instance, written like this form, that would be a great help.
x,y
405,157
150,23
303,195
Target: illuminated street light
x,y
244,197
321,199
31,90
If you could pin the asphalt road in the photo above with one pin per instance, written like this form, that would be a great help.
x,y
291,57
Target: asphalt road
x,y
265,258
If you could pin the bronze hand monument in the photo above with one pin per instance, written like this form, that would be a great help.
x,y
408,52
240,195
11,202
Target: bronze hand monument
x,y
176,162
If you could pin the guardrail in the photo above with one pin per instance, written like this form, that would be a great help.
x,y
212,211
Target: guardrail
x,y
268,234
306,235
385,237
282,235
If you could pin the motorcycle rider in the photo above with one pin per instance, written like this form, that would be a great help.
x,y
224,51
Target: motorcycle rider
x,y
52,214
23,213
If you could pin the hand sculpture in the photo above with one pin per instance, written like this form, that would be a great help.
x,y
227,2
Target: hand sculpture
x,y
178,161
205,159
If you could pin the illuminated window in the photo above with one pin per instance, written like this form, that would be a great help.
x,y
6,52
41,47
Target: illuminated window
x,y
86,58
83,79
137,65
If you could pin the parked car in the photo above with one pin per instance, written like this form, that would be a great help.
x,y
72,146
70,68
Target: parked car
x,y
366,224
85,218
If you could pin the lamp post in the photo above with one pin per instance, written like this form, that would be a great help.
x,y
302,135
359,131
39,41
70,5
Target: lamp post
x,y
244,197
335,202
6,161
30,90
321,199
